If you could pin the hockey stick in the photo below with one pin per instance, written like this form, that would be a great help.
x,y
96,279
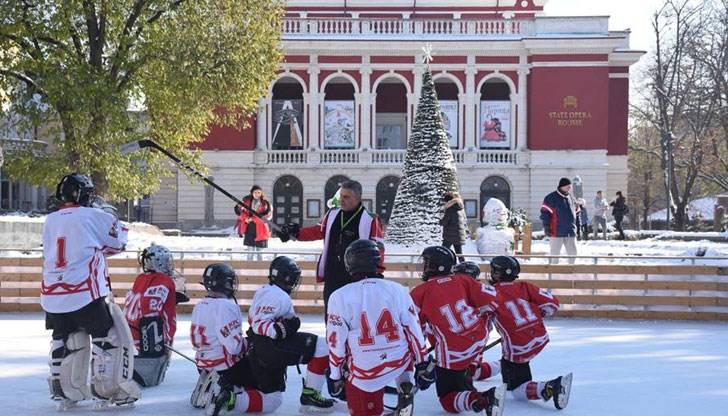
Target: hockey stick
x,y
141,144
180,354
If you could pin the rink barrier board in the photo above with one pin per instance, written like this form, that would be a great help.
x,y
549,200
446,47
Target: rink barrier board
x,y
620,291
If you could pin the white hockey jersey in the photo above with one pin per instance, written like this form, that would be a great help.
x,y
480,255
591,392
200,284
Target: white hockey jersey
x,y
217,333
270,305
75,240
372,326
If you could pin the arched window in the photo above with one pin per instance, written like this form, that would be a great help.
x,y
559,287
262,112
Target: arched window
x,y
287,115
332,185
494,187
288,200
386,191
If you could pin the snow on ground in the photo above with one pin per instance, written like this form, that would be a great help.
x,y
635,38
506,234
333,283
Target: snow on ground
x,y
620,368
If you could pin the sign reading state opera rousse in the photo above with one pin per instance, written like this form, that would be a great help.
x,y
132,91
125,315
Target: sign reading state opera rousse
x,y
569,115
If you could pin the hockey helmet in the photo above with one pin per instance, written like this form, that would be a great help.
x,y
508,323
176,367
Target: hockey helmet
x,y
156,259
221,278
362,256
285,273
470,268
504,269
76,188
436,261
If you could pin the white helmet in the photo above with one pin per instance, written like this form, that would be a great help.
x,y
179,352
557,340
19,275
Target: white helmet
x,y
157,259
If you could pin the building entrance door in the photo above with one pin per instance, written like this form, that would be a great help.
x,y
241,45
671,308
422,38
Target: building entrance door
x,y
288,200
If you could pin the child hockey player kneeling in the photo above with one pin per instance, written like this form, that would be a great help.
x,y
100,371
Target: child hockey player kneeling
x,y
276,343
217,336
519,322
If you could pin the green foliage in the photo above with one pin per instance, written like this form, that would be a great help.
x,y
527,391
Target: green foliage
x,y
74,68
518,218
429,171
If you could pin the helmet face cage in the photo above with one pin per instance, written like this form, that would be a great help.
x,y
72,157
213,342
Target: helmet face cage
x,y
157,259
436,261
220,277
362,256
285,273
470,268
504,269
77,189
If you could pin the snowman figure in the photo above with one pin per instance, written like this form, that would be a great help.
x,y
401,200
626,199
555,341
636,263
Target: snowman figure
x,y
495,237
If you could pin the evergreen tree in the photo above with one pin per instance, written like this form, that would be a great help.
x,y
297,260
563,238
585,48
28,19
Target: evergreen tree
x,y
429,171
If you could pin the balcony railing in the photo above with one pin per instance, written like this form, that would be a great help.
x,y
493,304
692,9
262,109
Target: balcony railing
x,y
389,27
385,157
37,147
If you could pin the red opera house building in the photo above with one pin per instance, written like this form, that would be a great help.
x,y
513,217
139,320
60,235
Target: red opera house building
x,y
526,99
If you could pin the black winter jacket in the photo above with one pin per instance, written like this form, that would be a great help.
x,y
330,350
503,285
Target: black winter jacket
x,y
453,223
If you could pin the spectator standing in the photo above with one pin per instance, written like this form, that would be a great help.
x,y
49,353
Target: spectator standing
x,y
251,227
582,225
619,210
600,215
453,224
559,217
339,227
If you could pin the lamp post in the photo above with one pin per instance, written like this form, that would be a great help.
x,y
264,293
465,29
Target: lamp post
x,y
667,140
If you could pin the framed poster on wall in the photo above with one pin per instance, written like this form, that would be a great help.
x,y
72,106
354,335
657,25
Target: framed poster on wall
x,y
287,125
449,114
339,124
495,122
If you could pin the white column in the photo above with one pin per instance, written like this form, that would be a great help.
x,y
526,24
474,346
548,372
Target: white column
x,y
471,133
522,120
313,104
366,104
261,131
462,110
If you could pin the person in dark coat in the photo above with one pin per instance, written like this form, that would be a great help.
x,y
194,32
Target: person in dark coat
x,y
453,224
619,210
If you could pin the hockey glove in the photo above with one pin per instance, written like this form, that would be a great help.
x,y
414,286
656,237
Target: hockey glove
x,y
336,388
283,235
425,373
286,327
180,297
238,210
292,229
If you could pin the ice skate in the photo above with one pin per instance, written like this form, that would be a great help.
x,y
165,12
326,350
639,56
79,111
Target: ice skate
x,y
222,399
558,388
491,401
312,402
63,404
405,400
203,389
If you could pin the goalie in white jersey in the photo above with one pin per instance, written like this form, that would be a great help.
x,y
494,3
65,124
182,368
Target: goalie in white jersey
x,y
373,328
75,284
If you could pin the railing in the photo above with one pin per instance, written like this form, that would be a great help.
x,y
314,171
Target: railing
x,y
37,147
654,291
389,27
339,157
385,157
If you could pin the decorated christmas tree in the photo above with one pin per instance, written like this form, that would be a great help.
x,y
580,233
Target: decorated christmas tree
x,y
429,171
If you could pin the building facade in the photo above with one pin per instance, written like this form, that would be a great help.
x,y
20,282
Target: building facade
x,y
526,99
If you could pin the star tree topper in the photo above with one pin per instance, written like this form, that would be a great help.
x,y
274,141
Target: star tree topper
x,y
428,53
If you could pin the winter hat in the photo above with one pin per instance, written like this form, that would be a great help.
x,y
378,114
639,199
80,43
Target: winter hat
x,y
564,182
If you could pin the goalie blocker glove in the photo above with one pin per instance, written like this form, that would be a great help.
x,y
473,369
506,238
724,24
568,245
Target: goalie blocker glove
x,y
286,327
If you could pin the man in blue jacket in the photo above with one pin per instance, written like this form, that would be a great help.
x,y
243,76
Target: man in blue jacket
x,y
559,212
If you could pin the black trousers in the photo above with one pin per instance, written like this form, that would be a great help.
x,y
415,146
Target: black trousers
x,y
93,318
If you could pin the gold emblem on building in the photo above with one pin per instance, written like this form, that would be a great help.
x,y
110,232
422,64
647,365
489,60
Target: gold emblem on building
x,y
570,101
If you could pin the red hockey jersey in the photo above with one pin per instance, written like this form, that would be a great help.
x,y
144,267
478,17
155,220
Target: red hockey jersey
x,y
519,319
151,295
451,307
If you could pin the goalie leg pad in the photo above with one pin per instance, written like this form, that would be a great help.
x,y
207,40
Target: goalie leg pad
x,y
149,371
69,367
113,362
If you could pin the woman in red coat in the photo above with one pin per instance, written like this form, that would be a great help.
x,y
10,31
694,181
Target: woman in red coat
x,y
254,231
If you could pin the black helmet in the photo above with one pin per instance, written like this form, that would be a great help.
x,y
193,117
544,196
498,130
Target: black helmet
x,y
437,261
504,269
362,256
285,273
470,268
76,189
220,277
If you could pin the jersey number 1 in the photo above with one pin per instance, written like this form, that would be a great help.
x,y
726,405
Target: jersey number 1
x,y
61,252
